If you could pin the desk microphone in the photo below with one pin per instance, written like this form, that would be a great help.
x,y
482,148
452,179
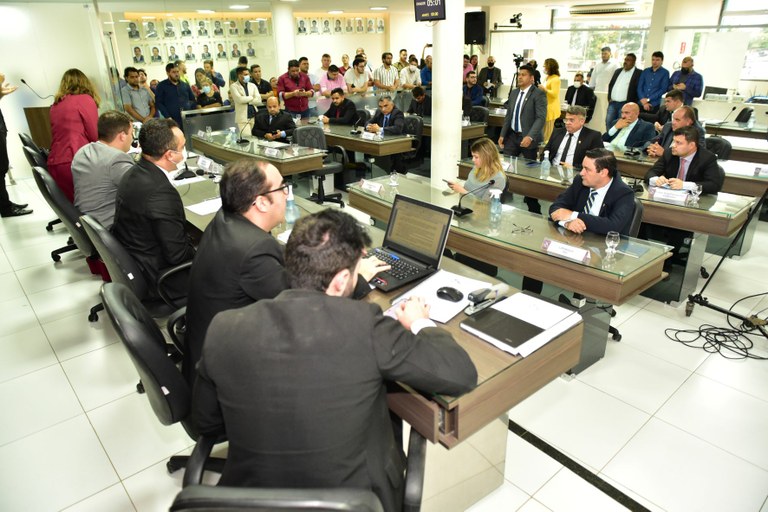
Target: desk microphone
x,y
458,210
720,123
241,140
354,130
51,95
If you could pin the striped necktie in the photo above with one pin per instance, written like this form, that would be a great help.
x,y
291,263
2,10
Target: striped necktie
x,y
590,201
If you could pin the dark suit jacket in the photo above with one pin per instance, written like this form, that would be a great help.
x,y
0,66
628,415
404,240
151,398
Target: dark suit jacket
x,y
588,139
421,109
396,121
640,134
150,220
533,113
667,134
282,121
632,91
347,113
703,170
615,213
585,97
299,383
485,76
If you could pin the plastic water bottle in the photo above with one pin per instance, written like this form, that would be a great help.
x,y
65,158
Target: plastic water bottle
x,y
291,210
546,165
494,215
233,135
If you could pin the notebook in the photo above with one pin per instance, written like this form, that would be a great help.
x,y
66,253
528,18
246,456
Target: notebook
x,y
413,243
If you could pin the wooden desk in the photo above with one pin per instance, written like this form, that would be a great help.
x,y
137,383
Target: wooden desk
x,y
503,380
521,252
738,130
470,132
495,119
748,150
288,162
339,135
721,215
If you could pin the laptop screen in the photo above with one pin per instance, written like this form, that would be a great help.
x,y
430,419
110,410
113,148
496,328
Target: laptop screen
x,y
418,229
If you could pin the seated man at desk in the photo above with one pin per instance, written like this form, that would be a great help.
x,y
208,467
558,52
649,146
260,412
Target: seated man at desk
x,y
341,111
388,120
630,131
273,123
421,104
568,146
149,215
339,434
685,165
681,117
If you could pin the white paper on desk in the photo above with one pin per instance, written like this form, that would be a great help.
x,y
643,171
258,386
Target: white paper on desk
x,y
442,310
187,181
206,207
554,319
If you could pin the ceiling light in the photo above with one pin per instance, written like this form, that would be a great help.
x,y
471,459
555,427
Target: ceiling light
x,y
109,22
336,12
378,8
239,7
205,11
124,21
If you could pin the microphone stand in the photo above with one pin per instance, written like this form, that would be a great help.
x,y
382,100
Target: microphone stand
x,y
240,139
51,95
721,123
458,210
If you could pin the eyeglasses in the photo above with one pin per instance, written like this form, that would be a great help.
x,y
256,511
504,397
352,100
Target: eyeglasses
x,y
283,187
521,229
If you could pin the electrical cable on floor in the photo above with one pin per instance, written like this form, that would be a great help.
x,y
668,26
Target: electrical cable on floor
x,y
732,343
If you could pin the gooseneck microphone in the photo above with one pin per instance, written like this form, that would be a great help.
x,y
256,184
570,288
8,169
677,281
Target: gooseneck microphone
x,y
354,128
458,210
720,123
51,95
240,139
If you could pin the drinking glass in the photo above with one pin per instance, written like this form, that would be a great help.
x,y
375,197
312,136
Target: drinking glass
x,y
611,241
393,178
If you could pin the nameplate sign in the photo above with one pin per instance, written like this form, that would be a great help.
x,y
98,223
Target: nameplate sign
x,y
501,111
665,195
761,171
465,122
368,136
371,186
273,152
201,134
204,163
566,251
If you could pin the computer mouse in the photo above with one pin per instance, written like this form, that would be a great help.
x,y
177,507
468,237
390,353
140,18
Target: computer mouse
x,y
450,294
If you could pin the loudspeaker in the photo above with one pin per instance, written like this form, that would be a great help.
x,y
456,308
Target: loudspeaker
x,y
474,27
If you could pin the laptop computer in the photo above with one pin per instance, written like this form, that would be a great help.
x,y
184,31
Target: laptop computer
x,y
413,243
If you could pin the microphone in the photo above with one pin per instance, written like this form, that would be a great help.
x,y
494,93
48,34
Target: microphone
x,y
720,123
51,95
729,113
354,128
458,210
240,139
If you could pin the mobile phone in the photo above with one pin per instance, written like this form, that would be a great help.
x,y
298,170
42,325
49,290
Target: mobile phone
x,y
448,182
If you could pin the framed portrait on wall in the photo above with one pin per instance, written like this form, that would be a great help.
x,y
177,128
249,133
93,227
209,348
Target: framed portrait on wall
x,y
235,53
169,30
218,29
314,26
221,53
263,27
155,57
186,31
250,51
247,28
189,54
337,27
349,26
172,55
150,30
133,31
232,28
380,25
206,53
138,55
202,28
359,25
327,26
370,25
301,26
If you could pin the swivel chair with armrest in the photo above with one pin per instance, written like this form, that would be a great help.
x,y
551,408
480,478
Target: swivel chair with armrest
x,y
334,161
37,159
413,126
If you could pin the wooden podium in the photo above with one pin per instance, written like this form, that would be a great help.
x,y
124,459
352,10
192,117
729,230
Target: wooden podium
x,y
39,121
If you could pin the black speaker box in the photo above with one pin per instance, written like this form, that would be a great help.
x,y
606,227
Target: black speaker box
x,y
474,27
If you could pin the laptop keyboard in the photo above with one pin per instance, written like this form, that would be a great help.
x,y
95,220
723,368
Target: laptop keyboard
x,y
401,269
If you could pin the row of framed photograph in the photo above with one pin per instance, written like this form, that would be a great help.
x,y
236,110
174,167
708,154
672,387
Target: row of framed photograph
x,y
339,26
197,52
174,29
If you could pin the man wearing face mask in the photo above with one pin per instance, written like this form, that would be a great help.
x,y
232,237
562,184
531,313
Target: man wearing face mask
x,y
490,77
582,96
149,214
410,75
246,98
687,81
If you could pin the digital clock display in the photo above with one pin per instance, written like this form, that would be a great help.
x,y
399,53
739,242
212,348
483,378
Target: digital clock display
x,y
429,10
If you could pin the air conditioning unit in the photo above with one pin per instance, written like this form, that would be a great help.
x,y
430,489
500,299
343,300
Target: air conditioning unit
x,y
601,9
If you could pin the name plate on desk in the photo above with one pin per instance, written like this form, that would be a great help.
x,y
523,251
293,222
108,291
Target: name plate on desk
x,y
665,195
204,163
368,136
501,111
566,251
761,171
273,152
371,186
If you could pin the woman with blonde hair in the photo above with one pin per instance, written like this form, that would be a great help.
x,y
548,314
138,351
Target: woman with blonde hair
x,y
487,167
552,88
74,120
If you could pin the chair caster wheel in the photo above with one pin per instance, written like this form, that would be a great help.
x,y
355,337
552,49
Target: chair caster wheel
x,y
140,388
49,228
704,273
56,258
616,337
93,317
172,467
689,308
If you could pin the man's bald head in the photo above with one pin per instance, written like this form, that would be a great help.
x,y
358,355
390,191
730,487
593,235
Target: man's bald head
x,y
273,105
630,112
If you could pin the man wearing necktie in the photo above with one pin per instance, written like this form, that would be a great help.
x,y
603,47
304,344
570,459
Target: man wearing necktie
x,y
684,165
526,113
273,123
388,120
567,146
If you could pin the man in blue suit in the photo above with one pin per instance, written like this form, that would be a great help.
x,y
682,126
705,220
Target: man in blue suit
x,y
630,131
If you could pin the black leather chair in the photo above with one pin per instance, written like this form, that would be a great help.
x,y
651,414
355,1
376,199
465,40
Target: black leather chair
x,y
363,116
38,159
124,269
167,390
719,146
744,115
479,114
334,161
413,126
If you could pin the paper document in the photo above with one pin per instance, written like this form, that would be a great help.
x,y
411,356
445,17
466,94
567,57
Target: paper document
x,y
187,181
206,207
442,310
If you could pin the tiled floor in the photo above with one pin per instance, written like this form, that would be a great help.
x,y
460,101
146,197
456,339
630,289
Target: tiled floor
x,y
675,428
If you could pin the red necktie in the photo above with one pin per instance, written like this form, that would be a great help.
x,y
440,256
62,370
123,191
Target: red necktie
x,y
681,172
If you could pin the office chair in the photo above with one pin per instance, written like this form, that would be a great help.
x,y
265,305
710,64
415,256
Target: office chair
x,y
168,392
413,126
719,146
197,497
479,114
744,115
363,116
314,137
124,269
37,159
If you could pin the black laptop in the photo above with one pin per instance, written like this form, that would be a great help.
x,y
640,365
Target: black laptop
x,y
414,242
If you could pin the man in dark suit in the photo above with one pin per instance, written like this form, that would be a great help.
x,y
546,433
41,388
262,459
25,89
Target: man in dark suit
x,y
273,123
672,101
577,94
568,146
699,166
149,215
683,116
527,111
388,120
421,104
298,382
490,77
630,131
622,89
341,111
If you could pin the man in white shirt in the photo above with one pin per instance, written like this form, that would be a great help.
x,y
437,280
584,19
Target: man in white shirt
x,y
622,89
386,77
325,63
357,78
246,98
603,71
410,75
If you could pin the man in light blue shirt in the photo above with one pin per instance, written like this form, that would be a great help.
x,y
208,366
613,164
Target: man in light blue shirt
x,y
654,81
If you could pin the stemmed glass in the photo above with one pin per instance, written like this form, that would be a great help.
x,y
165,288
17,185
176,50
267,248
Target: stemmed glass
x,y
611,242
695,193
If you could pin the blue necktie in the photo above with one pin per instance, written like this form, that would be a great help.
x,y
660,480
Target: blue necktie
x,y
590,201
517,111
386,120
